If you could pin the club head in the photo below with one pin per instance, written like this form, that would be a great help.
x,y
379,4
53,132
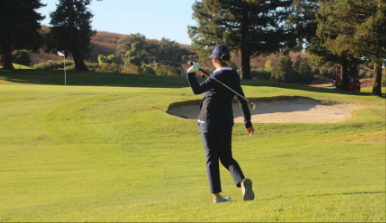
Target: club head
x,y
252,105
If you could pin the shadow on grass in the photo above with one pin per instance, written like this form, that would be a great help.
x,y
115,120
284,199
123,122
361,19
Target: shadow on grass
x,y
300,87
82,78
352,193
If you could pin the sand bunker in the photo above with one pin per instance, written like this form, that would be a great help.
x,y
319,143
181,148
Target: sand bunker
x,y
281,111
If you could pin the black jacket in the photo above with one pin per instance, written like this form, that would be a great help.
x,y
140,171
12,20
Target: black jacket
x,y
216,107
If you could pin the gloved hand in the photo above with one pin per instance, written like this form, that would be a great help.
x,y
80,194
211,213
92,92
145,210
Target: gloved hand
x,y
194,68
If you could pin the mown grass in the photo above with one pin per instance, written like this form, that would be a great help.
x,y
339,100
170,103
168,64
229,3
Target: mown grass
x,y
101,153
21,67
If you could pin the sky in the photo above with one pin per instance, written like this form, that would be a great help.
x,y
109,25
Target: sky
x,y
153,18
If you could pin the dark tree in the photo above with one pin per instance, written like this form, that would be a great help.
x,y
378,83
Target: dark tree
x,y
370,35
304,72
71,30
19,28
301,21
248,27
355,29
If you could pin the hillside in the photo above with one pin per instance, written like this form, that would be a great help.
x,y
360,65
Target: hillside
x,y
105,43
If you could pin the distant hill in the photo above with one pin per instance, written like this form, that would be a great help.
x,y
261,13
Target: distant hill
x,y
105,43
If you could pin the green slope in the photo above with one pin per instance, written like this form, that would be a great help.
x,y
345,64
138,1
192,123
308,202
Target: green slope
x,y
101,153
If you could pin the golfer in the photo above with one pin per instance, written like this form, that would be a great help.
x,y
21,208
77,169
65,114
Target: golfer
x,y
216,122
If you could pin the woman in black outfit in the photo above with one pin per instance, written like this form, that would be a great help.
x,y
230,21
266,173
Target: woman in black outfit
x,y
216,122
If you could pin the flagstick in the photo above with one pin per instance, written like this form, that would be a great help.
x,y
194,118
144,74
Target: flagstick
x,y
65,81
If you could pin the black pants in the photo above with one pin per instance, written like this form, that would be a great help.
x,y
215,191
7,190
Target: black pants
x,y
217,141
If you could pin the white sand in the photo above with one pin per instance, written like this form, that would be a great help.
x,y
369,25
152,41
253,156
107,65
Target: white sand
x,y
282,111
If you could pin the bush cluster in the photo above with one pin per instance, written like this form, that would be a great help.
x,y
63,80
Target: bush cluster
x,y
284,72
362,74
326,71
93,66
369,74
21,57
54,65
168,70
261,73
107,68
59,65
146,69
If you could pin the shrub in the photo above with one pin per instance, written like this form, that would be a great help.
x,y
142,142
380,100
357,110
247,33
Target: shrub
x,y
107,68
383,82
283,71
70,67
315,70
268,64
110,59
362,74
327,71
304,74
297,63
369,74
132,69
92,66
146,69
167,70
261,73
54,65
21,57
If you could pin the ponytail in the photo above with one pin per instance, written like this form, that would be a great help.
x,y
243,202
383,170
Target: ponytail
x,y
224,59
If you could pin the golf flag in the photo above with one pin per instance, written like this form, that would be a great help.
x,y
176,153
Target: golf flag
x,y
61,53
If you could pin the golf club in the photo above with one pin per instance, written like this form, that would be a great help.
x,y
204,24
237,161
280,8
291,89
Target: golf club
x,y
251,104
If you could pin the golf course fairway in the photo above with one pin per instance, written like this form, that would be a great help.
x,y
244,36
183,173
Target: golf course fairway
x,y
110,152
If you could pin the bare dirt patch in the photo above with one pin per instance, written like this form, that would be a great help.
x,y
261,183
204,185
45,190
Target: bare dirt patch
x,y
301,110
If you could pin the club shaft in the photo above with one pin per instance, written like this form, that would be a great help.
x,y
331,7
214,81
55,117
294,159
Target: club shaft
x,y
224,85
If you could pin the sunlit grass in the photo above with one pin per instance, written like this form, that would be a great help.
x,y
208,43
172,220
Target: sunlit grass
x,y
21,67
111,154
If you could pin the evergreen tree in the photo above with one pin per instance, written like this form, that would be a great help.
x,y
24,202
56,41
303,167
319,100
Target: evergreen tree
x,y
305,74
297,63
283,70
71,30
248,27
302,22
19,28
352,29
369,34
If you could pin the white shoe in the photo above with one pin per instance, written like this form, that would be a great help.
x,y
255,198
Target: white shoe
x,y
221,199
246,187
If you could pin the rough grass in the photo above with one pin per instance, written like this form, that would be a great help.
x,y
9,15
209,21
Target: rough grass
x,y
100,153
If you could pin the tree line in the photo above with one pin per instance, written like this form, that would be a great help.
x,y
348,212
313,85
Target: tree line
x,y
340,32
